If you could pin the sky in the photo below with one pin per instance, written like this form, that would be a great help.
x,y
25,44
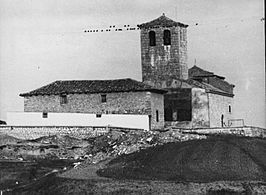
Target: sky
x,y
43,41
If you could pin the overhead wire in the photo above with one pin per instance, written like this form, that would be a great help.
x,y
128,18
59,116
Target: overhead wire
x,y
126,27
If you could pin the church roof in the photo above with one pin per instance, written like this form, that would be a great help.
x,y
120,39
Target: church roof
x,y
210,81
210,88
192,83
161,21
92,86
196,71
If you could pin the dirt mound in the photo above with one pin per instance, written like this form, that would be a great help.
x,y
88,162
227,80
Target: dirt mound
x,y
212,159
62,140
7,139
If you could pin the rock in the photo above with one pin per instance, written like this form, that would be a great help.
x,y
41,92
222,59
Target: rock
x,y
149,139
76,164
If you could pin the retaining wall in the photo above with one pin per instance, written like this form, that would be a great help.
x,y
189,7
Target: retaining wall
x,y
81,132
30,132
248,131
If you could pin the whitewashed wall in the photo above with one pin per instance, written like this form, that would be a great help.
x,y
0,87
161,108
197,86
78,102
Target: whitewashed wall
x,y
77,119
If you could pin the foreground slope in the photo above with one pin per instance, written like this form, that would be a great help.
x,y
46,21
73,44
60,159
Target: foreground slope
x,y
214,159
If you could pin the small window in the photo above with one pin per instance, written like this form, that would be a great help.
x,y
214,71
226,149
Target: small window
x,y
44,115
229,109
98,115
63,99
157,116
103,98
152,38
167,37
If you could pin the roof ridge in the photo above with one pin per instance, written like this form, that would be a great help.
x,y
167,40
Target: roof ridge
x,y
203,69
93,80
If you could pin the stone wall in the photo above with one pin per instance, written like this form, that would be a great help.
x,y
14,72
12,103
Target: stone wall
x,y
157,104
163,62
24,132
117,103
178,124
247,131
219,105
207,109
200,108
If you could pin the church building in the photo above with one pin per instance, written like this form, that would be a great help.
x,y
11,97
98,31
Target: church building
x,y
195,97
170,93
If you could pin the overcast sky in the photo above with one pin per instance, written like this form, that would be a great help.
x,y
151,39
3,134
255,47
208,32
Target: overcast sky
x,y
43,41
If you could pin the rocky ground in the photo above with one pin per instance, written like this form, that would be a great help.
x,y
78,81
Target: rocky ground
x,y
92,149
133,162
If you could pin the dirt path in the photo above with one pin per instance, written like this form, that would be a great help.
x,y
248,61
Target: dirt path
x,y
85,172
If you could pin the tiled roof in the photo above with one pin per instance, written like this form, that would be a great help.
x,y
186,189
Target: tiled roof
x,y
209,88
92,86
196,71
221,84
213,82
191,83
161,21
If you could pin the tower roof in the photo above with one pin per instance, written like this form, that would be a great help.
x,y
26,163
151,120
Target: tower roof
x,y
161,21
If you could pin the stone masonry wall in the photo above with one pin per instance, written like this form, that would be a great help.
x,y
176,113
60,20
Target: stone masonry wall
x,y
164,62
219,105
200,109
24,132
247,131
28,133
157,104
117,103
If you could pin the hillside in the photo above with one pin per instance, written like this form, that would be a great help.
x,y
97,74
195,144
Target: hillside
x,y
212,159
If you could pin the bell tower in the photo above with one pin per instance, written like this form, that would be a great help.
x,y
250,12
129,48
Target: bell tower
x,y
163,51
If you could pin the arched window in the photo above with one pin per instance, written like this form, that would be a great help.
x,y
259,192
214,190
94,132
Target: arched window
x,y
166,37
229,109
152,37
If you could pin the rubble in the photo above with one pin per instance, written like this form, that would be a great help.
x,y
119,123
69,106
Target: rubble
x,y
92,149
116,143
